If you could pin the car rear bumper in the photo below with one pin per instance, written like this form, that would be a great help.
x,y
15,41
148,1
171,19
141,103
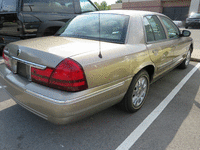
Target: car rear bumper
x,y
61,107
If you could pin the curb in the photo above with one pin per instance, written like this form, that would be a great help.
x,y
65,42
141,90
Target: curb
x,y
195,59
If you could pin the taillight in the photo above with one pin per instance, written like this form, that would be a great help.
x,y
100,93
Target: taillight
x,y
67,76
6,60
41,76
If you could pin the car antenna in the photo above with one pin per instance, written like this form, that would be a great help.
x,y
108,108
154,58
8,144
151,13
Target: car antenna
x,y
100,55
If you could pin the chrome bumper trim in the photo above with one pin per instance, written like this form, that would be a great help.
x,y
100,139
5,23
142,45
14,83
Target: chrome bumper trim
x,y
70,101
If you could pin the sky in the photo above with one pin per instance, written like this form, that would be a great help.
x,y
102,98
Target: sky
x,y
109,2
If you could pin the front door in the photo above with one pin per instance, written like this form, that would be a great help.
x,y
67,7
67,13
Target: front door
x,y
178,42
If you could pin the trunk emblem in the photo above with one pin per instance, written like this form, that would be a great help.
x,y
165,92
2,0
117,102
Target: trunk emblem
x,y
19,52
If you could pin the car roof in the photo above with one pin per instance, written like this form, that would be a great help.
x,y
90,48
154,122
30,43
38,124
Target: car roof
x,y
129,12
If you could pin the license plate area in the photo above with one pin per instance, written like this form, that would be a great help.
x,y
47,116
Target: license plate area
x,y
24,70
18,67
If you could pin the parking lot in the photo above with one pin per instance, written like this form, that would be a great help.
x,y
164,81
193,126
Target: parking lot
x,y
169,119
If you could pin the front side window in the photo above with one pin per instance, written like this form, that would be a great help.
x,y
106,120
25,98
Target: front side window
x,y
56,6
172,30
86,6
103,27
157,28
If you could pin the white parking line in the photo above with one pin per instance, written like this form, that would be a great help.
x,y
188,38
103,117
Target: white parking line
x,y
6,104
135,135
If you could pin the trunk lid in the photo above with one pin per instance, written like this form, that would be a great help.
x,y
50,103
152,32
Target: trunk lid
x,y
49,51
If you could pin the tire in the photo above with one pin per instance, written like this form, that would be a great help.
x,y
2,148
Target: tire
x,y
136,93
186,62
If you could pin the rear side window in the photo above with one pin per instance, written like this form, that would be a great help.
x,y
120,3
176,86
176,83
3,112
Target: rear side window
x,y
86,6
155,27
59,6
172,29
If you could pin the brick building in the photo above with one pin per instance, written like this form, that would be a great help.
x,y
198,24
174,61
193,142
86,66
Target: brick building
x,y
175,9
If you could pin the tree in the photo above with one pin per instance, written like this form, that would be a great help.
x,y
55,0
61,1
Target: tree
x,y
98,6
118,1
103,6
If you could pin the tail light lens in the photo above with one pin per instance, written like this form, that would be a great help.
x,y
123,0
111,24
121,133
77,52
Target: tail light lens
x,y
6,60
67,76
41,76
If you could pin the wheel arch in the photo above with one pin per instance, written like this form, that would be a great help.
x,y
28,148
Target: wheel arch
x,y
150,68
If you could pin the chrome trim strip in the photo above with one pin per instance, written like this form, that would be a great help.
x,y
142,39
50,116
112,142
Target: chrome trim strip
x,y
79,98
165,65
6,51
29,63
178,60
24,61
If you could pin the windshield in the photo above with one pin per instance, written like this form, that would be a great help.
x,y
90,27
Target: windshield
x,y
103,27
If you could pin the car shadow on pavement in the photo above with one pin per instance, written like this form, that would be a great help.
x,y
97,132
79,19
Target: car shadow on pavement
x,y
20,129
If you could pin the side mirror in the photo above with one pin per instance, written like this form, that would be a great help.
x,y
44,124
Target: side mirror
x,y
186,33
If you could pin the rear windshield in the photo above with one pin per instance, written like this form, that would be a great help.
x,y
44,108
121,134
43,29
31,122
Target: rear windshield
x,y
8,5
103,27
59,6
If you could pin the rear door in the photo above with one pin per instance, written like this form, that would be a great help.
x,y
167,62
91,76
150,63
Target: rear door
x,y
160,49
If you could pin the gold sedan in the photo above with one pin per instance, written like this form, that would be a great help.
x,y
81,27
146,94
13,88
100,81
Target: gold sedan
x,y
94,61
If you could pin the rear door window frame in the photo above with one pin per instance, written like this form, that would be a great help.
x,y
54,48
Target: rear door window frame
x,y
161,23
